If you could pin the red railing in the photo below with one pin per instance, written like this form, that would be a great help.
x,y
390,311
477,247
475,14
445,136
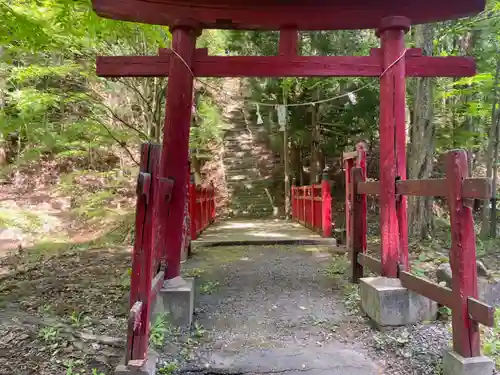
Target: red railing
x,y
149,257
146,276
202,208
351,160
312,207
460,190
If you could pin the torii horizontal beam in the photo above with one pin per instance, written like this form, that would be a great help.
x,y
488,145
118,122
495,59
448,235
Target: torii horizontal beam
x,y
284,66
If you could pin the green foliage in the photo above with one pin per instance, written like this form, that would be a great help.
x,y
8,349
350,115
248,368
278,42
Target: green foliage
x,y
209,287
208,125
198,330
24,220
158,330
339,265
168,368
193,272
352,298
48,334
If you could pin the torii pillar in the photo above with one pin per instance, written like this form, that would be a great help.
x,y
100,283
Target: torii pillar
x,y
393,215
177,294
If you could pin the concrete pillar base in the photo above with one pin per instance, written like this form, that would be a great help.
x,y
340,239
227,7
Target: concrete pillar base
x,y
455,364
388,303
147,367
176,298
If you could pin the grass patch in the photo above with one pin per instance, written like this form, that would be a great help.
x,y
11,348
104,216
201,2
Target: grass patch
x,y
159,329
221,255
118,234
97,196
491,340
351,298
209,287
194,272
339,266
20,219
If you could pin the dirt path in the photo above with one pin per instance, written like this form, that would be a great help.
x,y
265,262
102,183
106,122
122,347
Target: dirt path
x,y
273,311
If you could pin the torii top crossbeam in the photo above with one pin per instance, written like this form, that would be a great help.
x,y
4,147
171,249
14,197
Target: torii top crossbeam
x,y
276,14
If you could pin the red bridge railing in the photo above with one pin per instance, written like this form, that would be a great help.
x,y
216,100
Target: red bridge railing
x,y
312,206
202,208
149,254
461,191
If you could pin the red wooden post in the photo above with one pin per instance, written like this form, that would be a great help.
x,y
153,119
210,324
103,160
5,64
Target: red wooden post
x,y
136,350
326,206
202,208
205,207
462,257
313,211
192,206
304,212
198,210
358,223
309,205
212,202
175,148
361,163
392,154
143,259
348,165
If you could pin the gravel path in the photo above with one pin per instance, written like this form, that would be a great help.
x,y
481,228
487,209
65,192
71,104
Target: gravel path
x,y
273,309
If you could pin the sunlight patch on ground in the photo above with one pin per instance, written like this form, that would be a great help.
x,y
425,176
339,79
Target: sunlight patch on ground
x,y
268,234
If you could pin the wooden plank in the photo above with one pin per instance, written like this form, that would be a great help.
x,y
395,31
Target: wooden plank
x,y
449,66
427,288
285,66
481,312
288,42
466,341
369,188
280,66
157,284
242,66
371,263
478,311
428,188
480,188
132,66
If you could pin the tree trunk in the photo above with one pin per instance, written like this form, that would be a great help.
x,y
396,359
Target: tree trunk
x,y
285,160
485,225
422,145
315,168
467,43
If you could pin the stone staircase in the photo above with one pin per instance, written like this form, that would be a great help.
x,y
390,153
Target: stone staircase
x,y
249,166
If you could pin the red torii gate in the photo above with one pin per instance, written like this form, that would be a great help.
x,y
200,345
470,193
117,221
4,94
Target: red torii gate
x,y
392,58
183,62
